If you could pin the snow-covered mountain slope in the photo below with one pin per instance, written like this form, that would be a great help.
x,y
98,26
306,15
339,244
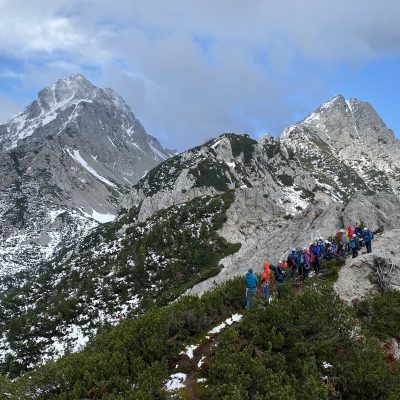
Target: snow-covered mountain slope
x,y
65,162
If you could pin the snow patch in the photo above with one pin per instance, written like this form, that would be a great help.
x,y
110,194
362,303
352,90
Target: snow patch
x,y
158,152
218,328
189,350
54,214
216,144
103,218
326,365
108,137
78,158
228,321
201,362
175,382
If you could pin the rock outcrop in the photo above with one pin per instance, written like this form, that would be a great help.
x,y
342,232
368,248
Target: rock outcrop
x,y
374,272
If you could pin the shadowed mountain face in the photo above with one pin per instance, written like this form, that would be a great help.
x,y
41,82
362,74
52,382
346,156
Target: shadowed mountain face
x,y
65,162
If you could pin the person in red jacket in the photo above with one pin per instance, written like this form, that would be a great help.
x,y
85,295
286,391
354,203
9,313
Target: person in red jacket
x,y
265,280
350,231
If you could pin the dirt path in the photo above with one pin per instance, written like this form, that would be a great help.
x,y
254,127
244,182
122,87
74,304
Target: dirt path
x,y
193,359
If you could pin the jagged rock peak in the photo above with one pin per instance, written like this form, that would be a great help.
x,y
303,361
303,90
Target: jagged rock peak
x,y
266,138
72,87
77,87
60,104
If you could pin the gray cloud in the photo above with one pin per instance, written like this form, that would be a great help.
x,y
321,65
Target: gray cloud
x,y
8,107
191,70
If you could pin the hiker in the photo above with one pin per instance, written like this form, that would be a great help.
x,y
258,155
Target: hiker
x,y
316,252
301,262
350,231
321,244
343,242
328,250
251,288
293,262
368,236
307,260
265,280
355,245
357,230
279,272
280,276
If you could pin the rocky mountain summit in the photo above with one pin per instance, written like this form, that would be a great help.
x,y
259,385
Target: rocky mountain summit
x,y
65,162
347,147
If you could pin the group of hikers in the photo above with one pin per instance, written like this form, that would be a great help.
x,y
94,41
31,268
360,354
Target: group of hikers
x,y
299,262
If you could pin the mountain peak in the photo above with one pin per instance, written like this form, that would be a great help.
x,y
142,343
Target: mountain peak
x,y
74,86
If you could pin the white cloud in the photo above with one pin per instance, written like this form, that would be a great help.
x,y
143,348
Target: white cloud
x,y
8,74
184,93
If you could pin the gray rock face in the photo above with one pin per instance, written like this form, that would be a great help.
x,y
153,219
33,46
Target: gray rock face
x,y
370,273
65,162
347,147
338,166
227,162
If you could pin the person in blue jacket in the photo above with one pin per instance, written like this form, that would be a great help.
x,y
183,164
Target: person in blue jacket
x,y
316,251
293,262
354,245
251,288
367,236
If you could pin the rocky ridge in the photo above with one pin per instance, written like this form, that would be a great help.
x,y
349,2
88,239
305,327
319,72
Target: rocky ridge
x,y
339,165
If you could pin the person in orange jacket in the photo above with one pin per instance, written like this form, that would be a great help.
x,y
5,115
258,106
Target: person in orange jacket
x,y
265,280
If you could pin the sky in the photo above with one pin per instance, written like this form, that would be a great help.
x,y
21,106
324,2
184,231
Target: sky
x,y
191,70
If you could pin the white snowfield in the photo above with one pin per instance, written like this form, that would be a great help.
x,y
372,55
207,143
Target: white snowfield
x,y
79,159
102,218
189,350
175,382
228,321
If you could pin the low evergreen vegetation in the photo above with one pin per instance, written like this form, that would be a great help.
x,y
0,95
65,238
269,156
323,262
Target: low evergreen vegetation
x,y
303,345
123,267
381,314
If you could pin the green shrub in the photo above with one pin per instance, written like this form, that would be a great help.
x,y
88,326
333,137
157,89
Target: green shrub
x,y
381,314
279,350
